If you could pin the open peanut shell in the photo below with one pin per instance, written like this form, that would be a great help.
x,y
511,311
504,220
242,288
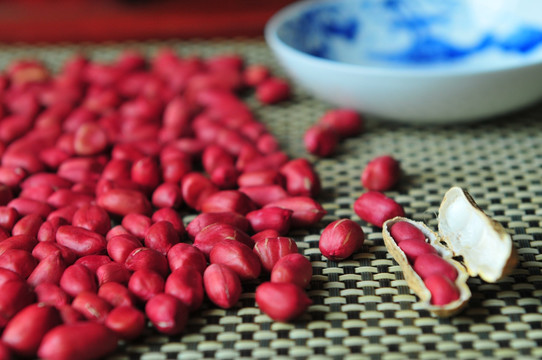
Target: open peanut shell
x,y
465,231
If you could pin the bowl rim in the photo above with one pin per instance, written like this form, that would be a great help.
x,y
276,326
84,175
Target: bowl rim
x,y
290,11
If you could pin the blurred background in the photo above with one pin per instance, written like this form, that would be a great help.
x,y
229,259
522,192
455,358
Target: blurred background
x,y
114,20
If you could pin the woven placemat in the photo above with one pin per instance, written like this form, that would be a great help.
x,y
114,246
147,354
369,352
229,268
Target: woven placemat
x,y
363,308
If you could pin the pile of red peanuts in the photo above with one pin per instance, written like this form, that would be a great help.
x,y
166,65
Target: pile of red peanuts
x,y
135,143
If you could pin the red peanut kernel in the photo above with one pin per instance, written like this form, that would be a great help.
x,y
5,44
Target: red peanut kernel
x,y
274,218
145,284
149,259
203,220
228,201
92,306
375,208
116,294
262,195
238,257
282,301
167,313
80,340
171,216
292,268
222,285
381,174
271,250
51,294
185,255
264,234
126,321
345,122
403,230
306,211
124,201
320,140
426,265
186,284
24,332
301,178
136,224
77,278
273,90
212,234
415,248
341,239
161,236
443,290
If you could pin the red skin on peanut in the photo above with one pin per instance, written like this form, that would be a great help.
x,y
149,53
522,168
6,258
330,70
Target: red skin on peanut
x,y
77,278
415,248
273,90
168,314
301,178
375,208
116,294
443,290
292,268
228,201
238,257
145,258
112,271
126,321
51,294
20,261
306,211
426,265
184,255
346,122
24,332
320,140
341,239
278,219
264,234
262,195
120,246
93,307
403,230
92,218
136,224
16,295
21,242
82,340
212,234
161,236
204,219
271,250
81,241
381,174
48,270
124,201
282,301
145,284
27,225
173,217
186,284
222,285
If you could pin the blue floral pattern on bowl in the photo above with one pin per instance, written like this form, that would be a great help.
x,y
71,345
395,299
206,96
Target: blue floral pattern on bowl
x,y
413,32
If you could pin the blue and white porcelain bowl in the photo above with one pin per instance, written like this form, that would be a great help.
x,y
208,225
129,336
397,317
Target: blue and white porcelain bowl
x,y
423,61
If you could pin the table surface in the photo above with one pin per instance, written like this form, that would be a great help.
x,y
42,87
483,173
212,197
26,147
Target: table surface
x,y
363,308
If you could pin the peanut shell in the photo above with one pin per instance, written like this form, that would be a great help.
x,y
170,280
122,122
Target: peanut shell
x,y
464,231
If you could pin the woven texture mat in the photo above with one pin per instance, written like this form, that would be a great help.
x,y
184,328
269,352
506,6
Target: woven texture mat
x,y
363,308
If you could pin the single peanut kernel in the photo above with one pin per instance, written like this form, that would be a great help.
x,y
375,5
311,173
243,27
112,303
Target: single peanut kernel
x,y
341,239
